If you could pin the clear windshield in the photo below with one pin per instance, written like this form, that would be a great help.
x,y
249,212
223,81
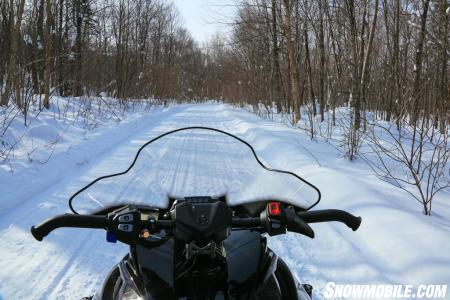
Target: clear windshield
x,y
195,162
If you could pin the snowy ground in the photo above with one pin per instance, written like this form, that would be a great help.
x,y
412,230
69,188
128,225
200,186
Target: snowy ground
x,y
396,244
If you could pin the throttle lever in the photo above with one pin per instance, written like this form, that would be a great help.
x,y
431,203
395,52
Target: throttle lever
x,y
296,224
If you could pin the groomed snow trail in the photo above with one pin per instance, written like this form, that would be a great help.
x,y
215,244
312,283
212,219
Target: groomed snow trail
x,y
72,263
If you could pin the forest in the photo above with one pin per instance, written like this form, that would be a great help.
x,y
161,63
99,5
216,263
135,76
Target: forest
x,y
384,56
384,61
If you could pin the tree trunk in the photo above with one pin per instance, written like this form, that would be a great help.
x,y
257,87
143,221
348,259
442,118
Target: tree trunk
x,y
308,66
443,6
365,66
48,54
295,91
356,101
322,61
418,62
276,62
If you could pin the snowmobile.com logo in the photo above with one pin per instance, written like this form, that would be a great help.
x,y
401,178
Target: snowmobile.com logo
x,y
384,291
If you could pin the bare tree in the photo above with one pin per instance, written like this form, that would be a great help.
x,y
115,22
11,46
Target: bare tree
x,y
418,61
12,80
421,171
295,90
48,65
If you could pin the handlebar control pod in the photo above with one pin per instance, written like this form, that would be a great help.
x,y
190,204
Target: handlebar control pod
x,y
68,220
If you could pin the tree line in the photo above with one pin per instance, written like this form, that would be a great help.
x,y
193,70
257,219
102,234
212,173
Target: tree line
x,y
125,49
388,57
384,61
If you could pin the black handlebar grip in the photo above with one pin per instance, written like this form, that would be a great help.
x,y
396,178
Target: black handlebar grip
x,y
328,215
163,224
68,220
246,222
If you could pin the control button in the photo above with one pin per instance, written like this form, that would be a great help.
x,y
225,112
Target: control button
x,y
276,225
126,218
111,237
274,209
125,227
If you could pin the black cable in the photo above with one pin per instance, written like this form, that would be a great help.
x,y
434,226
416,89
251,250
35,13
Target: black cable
x,y
190,128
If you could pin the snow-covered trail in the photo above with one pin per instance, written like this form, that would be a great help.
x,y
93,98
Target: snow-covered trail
x,y
72,263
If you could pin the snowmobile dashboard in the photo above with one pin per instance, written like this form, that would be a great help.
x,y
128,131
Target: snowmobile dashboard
x,y
195,219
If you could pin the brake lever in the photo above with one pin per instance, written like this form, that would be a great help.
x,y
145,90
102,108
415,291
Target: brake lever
x,y
296,224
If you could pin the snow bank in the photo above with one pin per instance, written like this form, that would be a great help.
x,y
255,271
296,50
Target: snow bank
x,y
37,156
396,243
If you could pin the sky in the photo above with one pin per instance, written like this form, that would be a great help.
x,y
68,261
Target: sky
x,y
203,18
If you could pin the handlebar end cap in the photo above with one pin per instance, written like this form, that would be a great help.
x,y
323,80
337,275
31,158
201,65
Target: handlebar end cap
x,y
358,223
35,234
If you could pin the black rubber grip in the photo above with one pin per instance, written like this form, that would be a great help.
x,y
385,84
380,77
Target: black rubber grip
x,y
328,215
163,224
246,222
68,220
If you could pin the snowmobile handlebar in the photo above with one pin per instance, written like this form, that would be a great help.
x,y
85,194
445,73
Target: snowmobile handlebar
x,y
68,220
329,215
297,223
317,216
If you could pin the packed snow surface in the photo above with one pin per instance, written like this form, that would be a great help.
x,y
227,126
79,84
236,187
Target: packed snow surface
x,y
395,244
